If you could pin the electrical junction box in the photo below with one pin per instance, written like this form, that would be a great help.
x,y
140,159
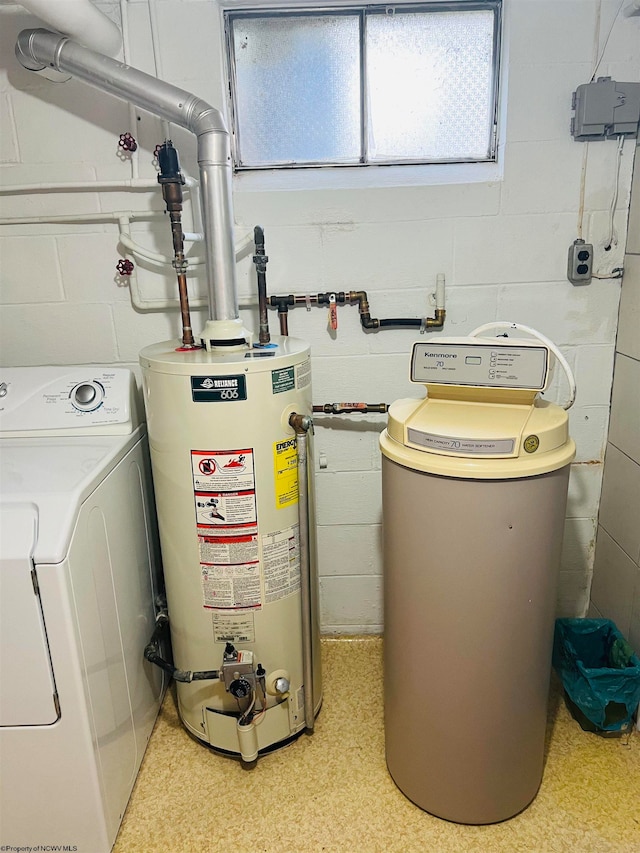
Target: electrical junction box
x,y
580,262
605,109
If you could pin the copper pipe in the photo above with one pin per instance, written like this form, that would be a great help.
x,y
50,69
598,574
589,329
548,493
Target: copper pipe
x,y
351,408
185,314
171,181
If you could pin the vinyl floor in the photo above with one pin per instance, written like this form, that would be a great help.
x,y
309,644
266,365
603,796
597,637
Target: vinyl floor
x,y
330,792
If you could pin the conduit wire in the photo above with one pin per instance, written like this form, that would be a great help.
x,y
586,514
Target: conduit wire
x,y
606,41
612,238
597,59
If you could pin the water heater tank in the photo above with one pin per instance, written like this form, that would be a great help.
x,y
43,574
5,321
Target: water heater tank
x,y
474,494
225,475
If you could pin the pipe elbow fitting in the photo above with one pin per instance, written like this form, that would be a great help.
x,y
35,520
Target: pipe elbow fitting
x,y
436,322
369,322
204,118
42,43
300,423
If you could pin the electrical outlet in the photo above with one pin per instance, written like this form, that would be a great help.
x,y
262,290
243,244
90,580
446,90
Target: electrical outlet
x,y
580,262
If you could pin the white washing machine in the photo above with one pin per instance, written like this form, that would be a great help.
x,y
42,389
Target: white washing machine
x,y
78,577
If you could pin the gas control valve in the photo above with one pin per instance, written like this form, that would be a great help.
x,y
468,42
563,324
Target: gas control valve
x,y
238,672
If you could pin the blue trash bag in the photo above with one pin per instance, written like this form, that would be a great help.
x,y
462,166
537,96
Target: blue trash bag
x,y
598,668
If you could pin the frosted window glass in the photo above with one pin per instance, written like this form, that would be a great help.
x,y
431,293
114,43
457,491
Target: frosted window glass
x,y
297,89
430,85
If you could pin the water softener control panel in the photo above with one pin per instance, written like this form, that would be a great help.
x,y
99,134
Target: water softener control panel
x,y
483,403
481,363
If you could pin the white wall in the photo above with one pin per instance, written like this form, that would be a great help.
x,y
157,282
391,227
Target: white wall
x,y
502,244
615,591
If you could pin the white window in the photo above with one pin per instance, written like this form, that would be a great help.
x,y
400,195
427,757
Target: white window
x,y
363,86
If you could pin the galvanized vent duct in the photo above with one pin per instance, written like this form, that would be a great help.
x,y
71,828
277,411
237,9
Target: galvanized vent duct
x,y
38,49
81,21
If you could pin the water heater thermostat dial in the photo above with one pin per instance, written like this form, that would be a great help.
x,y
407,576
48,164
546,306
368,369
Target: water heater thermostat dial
x,y
87,396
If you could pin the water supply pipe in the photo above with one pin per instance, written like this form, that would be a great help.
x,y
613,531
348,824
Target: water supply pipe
x,y
360,298
171,181
301,425
38,49
260,259
351,408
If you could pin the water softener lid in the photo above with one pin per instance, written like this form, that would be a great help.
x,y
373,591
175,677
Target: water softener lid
x,y
476,439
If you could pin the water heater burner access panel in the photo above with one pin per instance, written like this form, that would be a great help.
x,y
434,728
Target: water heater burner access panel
x,y
486,364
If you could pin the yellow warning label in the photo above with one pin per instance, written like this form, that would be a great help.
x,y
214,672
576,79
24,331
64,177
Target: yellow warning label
x,y
285,460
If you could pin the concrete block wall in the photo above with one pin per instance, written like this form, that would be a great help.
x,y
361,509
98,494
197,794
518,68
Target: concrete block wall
x,y
499,234
615,591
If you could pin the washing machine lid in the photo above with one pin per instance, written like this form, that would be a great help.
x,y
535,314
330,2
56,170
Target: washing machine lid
x,y
55,475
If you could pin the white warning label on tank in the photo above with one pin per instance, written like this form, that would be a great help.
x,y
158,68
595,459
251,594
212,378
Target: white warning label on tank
x,y
224,490
234,628
228,549
303,374
223,470
225,509
234,587
281,563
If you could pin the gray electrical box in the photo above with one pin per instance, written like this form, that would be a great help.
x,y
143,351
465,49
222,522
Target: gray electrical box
x,y
580,262
605,109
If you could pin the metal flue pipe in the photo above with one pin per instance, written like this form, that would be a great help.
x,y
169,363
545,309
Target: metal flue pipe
x,y
81,21
38,49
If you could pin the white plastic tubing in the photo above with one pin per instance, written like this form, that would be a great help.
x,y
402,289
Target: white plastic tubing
x,y
80,20
535,334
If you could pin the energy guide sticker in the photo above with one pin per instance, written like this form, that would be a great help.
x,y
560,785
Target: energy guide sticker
x,y
285,462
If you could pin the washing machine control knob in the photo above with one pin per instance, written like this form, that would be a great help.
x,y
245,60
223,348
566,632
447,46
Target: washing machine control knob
x,y
87,396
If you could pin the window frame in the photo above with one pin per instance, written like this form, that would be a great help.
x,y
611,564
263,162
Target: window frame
x,y
231,13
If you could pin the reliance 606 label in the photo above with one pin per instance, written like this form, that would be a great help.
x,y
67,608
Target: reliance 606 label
x,y
218,389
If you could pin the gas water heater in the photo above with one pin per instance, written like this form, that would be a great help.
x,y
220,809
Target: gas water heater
x,y
225,468
474,493
227,423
